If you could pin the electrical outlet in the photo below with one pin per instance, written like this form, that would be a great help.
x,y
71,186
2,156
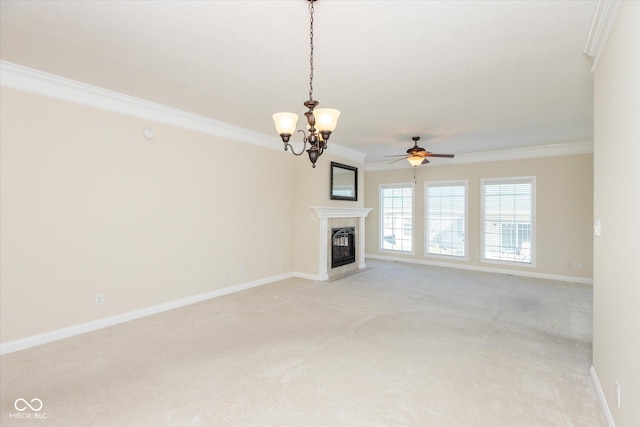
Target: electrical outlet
x,y
618,394
99,299
242,270
577,265
570,264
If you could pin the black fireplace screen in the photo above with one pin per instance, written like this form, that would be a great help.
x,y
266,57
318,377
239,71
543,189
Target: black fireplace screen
x,y
343,246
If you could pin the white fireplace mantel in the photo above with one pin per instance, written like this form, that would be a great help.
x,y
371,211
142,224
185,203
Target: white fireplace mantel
x,y
323,214
331,212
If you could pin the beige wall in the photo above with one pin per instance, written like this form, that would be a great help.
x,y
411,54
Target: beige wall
x,y
89,205
616,316
564,189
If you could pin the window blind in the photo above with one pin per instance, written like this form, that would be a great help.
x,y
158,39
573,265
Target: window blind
x,y
445,218
508,220
396,227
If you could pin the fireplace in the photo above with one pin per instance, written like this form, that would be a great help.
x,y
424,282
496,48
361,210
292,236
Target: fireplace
x,y
343,246
338,218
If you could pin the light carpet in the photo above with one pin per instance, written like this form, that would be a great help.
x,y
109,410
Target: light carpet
x,y
398,344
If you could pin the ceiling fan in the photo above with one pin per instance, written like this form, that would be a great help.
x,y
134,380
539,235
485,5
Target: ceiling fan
x,y
417,155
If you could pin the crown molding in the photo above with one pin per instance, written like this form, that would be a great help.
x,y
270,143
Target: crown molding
x,y
38,82
26,79
347,153
549,150
603,19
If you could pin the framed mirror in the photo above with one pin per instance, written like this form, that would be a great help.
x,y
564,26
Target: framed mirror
x,y
344,182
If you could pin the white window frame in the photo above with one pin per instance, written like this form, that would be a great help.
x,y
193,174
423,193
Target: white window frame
x,y
509,180
413,217
455,183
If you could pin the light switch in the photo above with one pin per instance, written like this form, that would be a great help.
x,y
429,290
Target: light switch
x,y
597,229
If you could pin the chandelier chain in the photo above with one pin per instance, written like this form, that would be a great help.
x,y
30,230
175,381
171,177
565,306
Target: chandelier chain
x,y
311,51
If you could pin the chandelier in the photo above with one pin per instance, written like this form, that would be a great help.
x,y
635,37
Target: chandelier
x,y
320,121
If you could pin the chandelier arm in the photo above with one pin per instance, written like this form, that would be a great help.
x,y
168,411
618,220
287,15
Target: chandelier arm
x,y
304,146
321,146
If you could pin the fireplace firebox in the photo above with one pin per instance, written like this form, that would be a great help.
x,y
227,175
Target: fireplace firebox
x,y
343,246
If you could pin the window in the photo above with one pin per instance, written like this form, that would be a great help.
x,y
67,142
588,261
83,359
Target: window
x,y
396,219
445,228
508,220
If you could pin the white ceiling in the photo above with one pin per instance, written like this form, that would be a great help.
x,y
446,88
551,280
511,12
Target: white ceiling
x,y
466,76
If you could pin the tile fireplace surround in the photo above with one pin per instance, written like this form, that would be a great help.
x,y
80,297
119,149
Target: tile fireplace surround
x,y
339,217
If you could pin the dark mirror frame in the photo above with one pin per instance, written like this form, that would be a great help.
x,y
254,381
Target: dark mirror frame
x,y
335,194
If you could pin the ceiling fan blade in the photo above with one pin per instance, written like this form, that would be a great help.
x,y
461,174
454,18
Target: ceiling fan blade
x,y
425,161
448,156
398,155
397,160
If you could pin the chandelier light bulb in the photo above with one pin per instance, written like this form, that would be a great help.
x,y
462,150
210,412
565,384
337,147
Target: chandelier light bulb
x,y
285,123
326,119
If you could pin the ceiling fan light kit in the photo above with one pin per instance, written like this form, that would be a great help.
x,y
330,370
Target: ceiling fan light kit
x,y
416,160
321,122
417,156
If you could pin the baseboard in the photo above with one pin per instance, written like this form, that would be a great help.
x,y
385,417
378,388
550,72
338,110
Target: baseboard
x,y
523,273
600,394
314,277
47,337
